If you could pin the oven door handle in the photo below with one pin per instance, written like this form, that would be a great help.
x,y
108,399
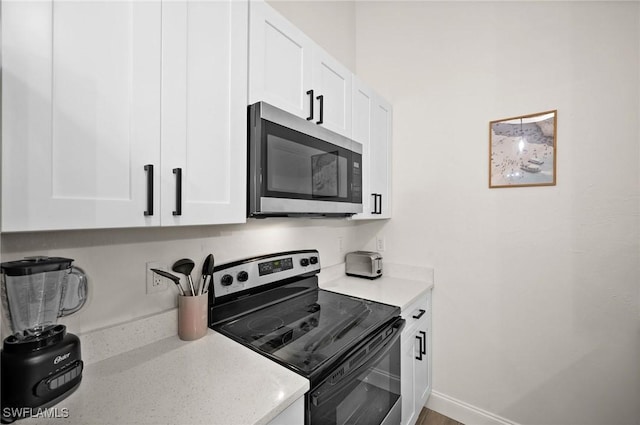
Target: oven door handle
x,y
328,389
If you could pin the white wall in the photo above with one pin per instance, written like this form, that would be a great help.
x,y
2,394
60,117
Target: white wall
x,y
536,306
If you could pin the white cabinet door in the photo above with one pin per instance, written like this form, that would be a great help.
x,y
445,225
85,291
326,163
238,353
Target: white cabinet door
x,y
363,104
204,71
81,113
292,415
289,71
332,86
416,359
423,366
408,377
280,58
381,136
372,120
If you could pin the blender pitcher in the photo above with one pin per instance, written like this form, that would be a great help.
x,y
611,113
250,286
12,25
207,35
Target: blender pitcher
x,y
38,290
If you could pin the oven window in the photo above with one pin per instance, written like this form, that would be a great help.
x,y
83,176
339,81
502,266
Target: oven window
x,y
366,398
300,166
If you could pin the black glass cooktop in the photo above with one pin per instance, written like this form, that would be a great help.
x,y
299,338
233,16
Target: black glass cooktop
x,y
309,330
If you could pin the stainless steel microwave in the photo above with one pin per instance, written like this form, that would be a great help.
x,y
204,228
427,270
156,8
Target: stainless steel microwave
x,y
297,168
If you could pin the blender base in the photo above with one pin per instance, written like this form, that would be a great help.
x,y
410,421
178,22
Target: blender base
x,y
37,378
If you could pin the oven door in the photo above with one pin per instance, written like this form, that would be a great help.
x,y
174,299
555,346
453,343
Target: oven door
x,y
365,388
297,167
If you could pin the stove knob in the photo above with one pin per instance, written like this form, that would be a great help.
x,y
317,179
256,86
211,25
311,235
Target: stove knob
x,y
242,276
226,280
304,262
313,260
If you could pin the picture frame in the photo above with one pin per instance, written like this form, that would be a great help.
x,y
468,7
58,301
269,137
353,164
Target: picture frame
x,y
523,150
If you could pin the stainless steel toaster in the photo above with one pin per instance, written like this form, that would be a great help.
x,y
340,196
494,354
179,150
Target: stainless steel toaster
x,y
365,264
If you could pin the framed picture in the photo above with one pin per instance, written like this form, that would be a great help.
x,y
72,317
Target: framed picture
x,y
522,150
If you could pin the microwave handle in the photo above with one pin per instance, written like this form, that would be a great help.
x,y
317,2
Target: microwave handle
x,y
310,93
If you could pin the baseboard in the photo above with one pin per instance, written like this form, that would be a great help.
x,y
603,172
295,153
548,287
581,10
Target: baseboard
x,y
464,412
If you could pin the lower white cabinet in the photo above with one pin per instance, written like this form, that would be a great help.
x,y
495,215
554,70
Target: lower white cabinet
x,y
292,415
416,359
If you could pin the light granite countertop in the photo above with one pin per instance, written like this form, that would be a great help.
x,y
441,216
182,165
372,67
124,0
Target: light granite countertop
x,y
213,380
399,285
141,373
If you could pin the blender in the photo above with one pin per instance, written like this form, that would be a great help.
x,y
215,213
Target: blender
x,y
41,362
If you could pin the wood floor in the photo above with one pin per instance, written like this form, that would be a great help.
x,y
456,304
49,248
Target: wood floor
x,y
429,417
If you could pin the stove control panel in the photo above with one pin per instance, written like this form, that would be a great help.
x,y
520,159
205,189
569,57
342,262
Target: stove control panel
x,y
258,271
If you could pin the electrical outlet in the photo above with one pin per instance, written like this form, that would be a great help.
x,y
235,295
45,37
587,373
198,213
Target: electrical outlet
x,y
155,282
380,244
340,244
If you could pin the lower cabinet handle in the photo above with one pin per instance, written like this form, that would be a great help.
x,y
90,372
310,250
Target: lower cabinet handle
x,y
421,313
424,340
419,356
310,93
149,169
321,99
178,173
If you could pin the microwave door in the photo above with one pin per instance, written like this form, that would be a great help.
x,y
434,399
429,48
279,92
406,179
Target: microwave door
x,y
302,167
287,169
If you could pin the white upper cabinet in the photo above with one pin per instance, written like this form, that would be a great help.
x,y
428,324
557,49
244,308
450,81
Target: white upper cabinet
x,y
103,100
204,92
289,71
81,114
363,104
372,127
332,87
279,61
380,165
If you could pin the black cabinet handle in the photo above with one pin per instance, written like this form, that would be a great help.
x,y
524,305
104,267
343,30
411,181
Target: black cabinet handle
x,y
424,340
420,314
178,173
377,205
419,356
310,93
149,169
321,99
